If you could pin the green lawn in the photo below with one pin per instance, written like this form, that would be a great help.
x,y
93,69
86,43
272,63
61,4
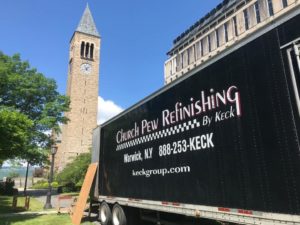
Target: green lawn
x,y
52,219
6,205
35,219
71,194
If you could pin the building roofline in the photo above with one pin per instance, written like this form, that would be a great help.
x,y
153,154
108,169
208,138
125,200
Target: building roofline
x,y
211,17
87,24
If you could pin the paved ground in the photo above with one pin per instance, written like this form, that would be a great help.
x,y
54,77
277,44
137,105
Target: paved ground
x,y
41,194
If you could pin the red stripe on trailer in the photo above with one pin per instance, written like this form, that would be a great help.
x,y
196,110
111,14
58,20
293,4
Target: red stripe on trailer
x,y
242,211
224,209
165,203
175,204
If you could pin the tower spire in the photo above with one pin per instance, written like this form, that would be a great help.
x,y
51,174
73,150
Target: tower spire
x,y
87,24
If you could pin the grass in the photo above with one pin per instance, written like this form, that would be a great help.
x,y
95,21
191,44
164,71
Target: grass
x,y
30,219
6,205
38,220
71,193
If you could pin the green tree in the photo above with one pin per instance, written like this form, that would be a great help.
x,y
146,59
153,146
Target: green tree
x,y
15,130
31,94
73,174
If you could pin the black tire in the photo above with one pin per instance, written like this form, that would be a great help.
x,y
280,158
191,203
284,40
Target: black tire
x,y
105,214
118,215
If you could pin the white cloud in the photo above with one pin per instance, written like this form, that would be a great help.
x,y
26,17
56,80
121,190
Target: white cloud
x,y
106,110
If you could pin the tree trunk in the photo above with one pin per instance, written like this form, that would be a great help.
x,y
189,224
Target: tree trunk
x,y
26,177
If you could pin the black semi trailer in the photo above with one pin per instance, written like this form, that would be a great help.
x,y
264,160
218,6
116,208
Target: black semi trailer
x,y
220,143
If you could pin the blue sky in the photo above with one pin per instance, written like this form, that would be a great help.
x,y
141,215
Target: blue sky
x,y
136,34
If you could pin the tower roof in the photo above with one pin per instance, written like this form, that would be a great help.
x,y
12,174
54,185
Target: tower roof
x,y
87,24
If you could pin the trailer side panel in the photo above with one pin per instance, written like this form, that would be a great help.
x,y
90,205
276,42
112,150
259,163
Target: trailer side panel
x,y
228,136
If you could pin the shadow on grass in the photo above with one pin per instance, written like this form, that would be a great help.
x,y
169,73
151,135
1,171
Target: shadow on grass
x,y
36,219
6,205
12,220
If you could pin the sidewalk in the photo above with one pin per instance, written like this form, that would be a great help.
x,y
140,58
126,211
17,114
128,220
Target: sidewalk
x,y
41,196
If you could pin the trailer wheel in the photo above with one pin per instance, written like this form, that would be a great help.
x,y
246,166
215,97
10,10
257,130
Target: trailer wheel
x,y
104,214
118,215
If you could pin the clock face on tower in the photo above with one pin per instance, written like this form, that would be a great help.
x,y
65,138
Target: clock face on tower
x,y
86,68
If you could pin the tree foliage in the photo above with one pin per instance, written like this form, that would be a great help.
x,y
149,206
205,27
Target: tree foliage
x,y
73,174
15,130
36,101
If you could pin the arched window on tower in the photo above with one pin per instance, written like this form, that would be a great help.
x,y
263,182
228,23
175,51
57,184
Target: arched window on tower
x,y
87,49
82,49
92,51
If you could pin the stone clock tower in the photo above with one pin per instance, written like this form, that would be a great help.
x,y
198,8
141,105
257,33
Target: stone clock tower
x,y
82,88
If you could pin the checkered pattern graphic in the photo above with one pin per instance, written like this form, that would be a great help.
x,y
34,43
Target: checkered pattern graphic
x,y
160,134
